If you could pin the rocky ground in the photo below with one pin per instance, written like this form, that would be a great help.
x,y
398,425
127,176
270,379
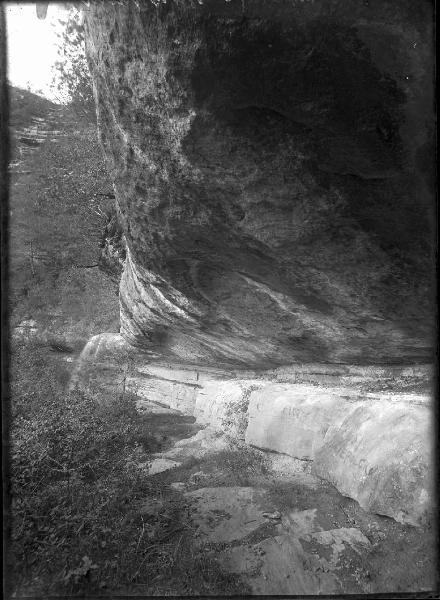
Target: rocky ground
x,y
284,531
214,515
263,515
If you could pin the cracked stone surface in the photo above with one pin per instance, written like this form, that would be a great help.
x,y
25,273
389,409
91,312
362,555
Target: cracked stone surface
x,y
298,558
308,564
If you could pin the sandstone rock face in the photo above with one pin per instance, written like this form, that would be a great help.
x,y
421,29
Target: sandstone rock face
x,y
293,419
375,448
224,404
381,455
272,164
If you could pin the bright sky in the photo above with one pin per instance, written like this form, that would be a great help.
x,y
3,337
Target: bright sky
x,y
32,45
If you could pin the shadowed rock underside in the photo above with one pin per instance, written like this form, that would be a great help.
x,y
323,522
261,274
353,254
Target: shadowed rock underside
x,y
273,170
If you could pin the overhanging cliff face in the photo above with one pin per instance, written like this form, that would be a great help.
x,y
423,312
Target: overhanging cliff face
x,y
273,164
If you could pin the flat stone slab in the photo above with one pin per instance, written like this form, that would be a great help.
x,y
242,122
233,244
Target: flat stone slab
x,y
227,514
305,563
292,419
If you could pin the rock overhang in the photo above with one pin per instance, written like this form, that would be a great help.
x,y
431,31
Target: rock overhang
x,y
269,171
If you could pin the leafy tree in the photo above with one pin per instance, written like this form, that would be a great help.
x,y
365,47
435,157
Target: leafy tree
x,y
72,83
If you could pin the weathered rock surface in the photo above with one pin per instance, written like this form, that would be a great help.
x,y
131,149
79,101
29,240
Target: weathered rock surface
x,y
293,565
375,448
381,454
293,419
273,170
287,535
225,404
366,429
269,517
278,553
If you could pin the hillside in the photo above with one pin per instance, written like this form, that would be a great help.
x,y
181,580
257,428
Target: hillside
x,y
222,313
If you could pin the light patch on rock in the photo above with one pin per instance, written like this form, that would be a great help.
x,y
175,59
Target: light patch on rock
x,y
206,441
155,408
375,448
381,455
159,465
179,486
293,419
225,404
338,540
299,522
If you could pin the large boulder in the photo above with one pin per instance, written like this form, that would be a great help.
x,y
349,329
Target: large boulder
x,y
374,447
273,169
381,454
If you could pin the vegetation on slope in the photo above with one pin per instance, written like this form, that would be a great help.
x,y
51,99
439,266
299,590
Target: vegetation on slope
x,y
78,517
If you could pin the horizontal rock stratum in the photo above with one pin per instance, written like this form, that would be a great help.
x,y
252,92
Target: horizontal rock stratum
x,y
273,168
375,446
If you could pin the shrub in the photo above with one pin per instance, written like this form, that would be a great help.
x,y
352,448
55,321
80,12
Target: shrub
x,y
71,81
74,487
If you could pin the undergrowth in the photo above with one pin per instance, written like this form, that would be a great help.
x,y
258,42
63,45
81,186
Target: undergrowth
x,y
74,489
79,524
77,518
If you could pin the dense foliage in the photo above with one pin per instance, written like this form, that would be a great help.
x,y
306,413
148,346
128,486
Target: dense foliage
x,y
75,488
86,519
72,82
